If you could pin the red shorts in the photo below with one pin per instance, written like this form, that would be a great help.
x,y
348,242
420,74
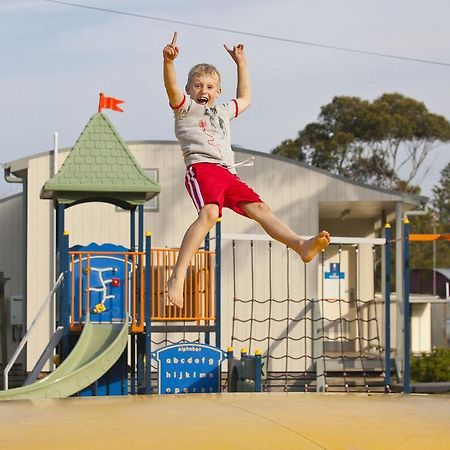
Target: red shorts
x,y
209,183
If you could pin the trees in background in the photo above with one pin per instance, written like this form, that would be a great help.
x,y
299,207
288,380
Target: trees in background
x,y
441,197
371,142
437,220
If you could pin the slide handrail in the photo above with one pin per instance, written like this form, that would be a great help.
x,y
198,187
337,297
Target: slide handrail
x,y
25,338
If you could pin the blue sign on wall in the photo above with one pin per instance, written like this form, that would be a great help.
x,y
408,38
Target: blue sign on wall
x,y
335,272
189,368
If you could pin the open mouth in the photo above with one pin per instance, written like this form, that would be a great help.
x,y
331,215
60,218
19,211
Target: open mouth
x,y
202,100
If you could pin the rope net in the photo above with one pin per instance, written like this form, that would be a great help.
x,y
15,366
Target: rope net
x,y
316,324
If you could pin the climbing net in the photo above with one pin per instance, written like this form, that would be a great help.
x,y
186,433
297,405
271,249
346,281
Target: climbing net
x,y
317,324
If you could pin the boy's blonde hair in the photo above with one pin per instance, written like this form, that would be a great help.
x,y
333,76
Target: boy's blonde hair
x,y
203,69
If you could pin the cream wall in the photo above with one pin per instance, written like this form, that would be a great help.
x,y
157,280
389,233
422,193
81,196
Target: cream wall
x,y
39,257
421,328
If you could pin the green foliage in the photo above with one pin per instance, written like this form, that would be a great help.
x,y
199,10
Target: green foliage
x,y
441,198
432,367
436,221
370,141
421,253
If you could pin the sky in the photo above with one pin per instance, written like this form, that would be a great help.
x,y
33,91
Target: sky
x,y
56,59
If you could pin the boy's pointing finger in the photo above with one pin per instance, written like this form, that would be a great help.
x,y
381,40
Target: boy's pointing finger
x,y
174,39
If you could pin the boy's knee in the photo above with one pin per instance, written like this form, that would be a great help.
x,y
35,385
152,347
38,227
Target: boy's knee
x,y
263,208
210,213
256,209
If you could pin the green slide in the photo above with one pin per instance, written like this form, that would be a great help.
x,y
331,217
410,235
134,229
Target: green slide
x,y
98,348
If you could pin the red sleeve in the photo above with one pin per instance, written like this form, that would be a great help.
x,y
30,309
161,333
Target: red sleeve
x,y
237,107
175,108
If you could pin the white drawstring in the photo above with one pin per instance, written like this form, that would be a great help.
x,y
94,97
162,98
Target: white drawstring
x,y
247,163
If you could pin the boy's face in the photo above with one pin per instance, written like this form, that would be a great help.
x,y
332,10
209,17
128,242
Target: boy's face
x,y
204,89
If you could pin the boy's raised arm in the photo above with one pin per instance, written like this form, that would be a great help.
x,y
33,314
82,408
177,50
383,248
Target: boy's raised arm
x,y
170,52
243,88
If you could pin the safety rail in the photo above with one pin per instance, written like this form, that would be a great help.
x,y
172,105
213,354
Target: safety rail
x,y
27,334
198,287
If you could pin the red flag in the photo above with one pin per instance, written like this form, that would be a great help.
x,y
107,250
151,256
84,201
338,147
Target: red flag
x,y
109,103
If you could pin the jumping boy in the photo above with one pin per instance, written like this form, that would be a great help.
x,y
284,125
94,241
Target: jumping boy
x,y
202,129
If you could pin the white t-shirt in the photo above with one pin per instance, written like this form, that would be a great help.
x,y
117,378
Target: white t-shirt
x,y
204,133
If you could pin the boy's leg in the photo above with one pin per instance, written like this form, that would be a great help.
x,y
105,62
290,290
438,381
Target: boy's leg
x,y
277,229
192,240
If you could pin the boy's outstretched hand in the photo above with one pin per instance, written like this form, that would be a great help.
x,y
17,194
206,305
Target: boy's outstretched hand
x,y
237,53
170,51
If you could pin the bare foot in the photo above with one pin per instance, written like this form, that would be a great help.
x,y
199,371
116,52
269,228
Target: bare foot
x,y
175,292
312,246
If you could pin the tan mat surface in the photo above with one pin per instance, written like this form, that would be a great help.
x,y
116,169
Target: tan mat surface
x,y
229,421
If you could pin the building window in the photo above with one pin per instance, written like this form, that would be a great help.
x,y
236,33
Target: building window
x,y
153,204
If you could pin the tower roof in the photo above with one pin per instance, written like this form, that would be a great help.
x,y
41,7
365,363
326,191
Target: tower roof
x,y
100,167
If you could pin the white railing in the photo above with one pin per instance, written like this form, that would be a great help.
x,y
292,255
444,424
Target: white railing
x,y
25,338
334,239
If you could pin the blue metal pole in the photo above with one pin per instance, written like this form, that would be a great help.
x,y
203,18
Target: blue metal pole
x,y
65,300
141,339
132,229
407,312
133,365
207,242
207,247
258,370
59,244
218,280
139,261
387,307
141,228
148,313
133,336
140,363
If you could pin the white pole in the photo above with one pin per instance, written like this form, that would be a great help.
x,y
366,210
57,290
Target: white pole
x,y
434,255
53,243
55,153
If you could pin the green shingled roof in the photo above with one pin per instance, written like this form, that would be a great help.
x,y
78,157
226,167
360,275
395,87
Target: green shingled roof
x,y
100,167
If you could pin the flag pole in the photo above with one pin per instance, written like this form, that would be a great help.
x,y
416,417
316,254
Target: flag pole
x,y
100,102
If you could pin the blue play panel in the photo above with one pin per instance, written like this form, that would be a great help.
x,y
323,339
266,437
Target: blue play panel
x,y
103,278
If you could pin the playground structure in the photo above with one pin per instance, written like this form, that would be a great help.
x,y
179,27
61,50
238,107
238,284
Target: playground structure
x,y
319,344
316,326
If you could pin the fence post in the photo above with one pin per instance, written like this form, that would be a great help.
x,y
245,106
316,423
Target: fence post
x,y
207,248
218,280
387,307
132,336
65,298
407,311
148,313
